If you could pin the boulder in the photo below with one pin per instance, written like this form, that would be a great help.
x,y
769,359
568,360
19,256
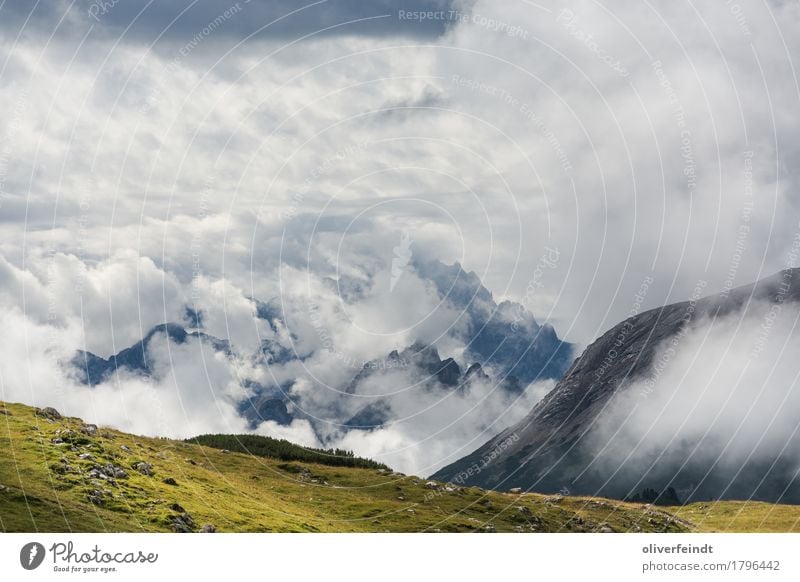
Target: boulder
x,y
89,429
170,481
49,413
144,468
114,471
183,523
208,528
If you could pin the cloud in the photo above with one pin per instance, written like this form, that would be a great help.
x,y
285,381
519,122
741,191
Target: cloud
x,y
185,21
716,412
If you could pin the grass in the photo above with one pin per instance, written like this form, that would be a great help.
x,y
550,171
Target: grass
x,y
47,487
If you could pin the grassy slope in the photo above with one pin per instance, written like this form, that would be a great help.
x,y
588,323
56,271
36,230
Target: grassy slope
x,y
238,492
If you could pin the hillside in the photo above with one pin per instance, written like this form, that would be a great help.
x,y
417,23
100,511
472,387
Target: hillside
x,y
561,444
58,474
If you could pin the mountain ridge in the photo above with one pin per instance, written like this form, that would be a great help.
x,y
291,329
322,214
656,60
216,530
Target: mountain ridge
x,y
552,451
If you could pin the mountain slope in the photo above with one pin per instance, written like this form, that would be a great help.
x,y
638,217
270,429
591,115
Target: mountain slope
x,y
555,446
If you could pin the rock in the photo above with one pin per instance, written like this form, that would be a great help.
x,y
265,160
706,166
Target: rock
x,y
49,413
2,487
177,507
86,456
191,461
89,429
96,497
524,510
401,498
57,441
515,490
126,448
144,468
431,485
183,523
605,528
114,471
170,481
208,528
5,412
225,451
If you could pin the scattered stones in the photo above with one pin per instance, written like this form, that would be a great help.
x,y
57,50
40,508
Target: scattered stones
x,y
57,441
86,456
170,481
145,469
524,510
605,528
487,503
515,490
191,461
208,528
183,523
177,507
89,429
108,472
96,497
225,451
126,448
401,498
49,413
431,485
489,528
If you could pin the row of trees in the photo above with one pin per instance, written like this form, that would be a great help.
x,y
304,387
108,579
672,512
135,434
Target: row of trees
x,y
263,446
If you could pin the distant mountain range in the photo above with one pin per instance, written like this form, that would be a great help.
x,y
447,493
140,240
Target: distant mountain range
x,y
503,344
555,448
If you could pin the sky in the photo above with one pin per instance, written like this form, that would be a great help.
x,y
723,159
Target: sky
x,y
585,159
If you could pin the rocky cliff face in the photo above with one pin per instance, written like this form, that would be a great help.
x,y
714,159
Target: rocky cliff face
x,y
556,447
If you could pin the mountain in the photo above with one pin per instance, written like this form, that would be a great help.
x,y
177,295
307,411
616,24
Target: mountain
x,y
59,474
93,369
505,337
503,343
556,446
